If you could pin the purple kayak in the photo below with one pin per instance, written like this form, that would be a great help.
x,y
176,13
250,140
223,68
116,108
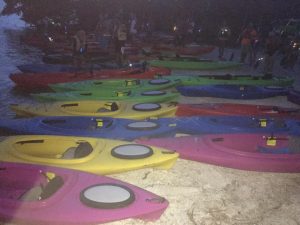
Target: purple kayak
x,y
31,194
255,152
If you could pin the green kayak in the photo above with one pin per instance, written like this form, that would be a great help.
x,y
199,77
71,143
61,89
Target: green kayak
x,y
233,80
188,64
117,84
129,96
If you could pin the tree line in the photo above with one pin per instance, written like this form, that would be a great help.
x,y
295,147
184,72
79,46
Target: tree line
x,y
208,14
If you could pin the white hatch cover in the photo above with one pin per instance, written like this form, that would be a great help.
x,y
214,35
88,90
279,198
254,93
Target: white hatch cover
x,y
146,107
107,196
153,93
132,151
142,125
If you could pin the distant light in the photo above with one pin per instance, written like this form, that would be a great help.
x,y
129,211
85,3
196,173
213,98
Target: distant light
x,y
130,65
174,28
294,45
50,39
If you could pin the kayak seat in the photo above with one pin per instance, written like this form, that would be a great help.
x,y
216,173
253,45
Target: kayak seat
x,y
109,107
51,187
39,192
32,194
82,150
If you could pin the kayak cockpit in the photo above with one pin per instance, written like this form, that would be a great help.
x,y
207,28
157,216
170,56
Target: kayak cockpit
x,y
30,186
43,191
47,150
88,107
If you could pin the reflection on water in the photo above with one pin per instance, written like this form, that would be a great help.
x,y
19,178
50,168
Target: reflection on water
x,y
12,53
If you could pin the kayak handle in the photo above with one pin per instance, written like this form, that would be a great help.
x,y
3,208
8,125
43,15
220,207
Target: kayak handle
x,y
30,142
156,200
70,105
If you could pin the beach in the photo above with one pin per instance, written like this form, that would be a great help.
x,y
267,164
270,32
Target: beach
x,y
202,194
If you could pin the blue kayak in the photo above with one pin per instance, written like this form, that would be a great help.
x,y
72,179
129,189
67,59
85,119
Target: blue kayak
x,y
125,129
237,124
294,96
102,127
232,91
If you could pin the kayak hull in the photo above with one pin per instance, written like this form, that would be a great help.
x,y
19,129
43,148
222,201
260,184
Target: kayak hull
x,y
110,95
233,80
42,80
236,124
239,151
230,109
232,91
193,65
101,127
94,108
116,84
94,155
65,205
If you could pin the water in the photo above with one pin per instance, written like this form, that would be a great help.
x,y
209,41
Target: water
x,y
12,53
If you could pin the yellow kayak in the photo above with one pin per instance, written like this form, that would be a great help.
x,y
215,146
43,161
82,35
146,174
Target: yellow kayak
x,y
95,155
97,108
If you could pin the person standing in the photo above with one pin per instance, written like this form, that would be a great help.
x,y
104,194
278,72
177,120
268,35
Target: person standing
x,y
247,37
104,31
79,48
121,38
133,29
271,46
223,37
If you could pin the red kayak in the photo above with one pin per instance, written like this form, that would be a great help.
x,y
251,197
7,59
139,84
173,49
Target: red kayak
x,y
41,80
229,109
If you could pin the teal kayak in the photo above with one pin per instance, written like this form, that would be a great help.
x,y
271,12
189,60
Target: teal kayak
x,y
233,80
192,64
105,95
117,84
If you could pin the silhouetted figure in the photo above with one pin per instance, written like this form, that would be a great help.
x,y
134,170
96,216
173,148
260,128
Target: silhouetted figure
x,y
79,48
121,38
291,54
223,37
247,36
271,46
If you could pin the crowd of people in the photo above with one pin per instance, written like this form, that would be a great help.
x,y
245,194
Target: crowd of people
x,y
117,32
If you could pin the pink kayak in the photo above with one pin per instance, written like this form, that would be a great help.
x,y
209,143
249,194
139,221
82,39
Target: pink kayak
x,y
31,194
256,152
